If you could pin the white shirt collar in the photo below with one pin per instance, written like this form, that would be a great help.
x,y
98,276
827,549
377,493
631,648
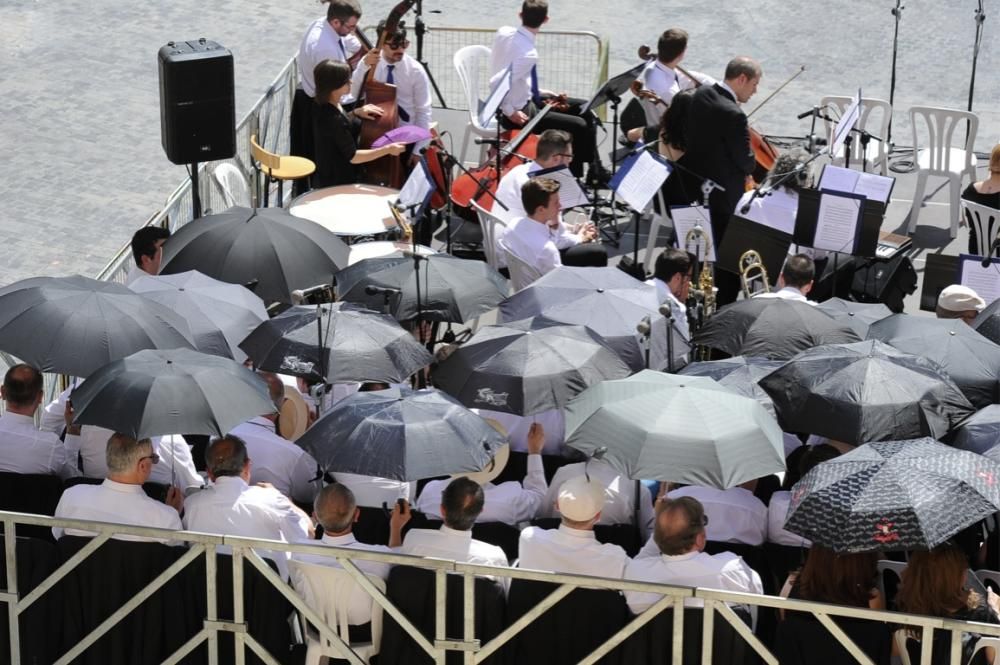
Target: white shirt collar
x,y
231,481
263,422
340,541
124,488
670,558
732,92
527,33
447,530
19,418
576,533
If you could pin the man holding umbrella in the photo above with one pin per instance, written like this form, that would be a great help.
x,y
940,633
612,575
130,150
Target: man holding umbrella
x,y
147,251
23,447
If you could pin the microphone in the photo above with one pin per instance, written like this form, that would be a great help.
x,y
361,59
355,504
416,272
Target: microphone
x,y
643,327
989,254
813,111
483,141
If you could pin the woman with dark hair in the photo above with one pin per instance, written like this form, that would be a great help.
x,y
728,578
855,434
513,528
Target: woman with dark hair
x,y
984,192
335,131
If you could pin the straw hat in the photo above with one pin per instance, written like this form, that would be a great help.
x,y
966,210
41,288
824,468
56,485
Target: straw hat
x,y
496,465
294,415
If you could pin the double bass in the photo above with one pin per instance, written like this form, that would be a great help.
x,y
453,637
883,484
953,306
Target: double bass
x,y
388,170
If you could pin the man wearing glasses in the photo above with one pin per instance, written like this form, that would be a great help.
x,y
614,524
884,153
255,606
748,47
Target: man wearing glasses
x,y
120,499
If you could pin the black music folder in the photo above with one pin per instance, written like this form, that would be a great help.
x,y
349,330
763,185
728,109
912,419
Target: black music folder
x,y
867,232
743,234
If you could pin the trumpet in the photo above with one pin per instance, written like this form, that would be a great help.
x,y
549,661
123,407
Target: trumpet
x,y
753,274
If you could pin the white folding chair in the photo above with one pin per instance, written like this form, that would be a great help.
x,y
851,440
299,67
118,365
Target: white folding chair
x,y
984,643
900,636
329,591
876,114
490,224
659,219
232,184
985,220
940,157
896,567
522,274
469,62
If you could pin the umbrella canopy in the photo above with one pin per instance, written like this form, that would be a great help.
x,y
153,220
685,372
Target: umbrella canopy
x,y
771,327
971,360
606,300
219,314
683,429
859,316
179,391
527,366
403,435
451,289
867,391
894,495
358,345
987,322
740,374
980,433
279,252
73,325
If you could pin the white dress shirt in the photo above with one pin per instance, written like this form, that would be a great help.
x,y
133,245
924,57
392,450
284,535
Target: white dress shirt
x,y
26,449
777,511
665,295
572,551
322,42
787,293
514,47
372,492
510,502
509,193
232,507
176,466
665,82
533,243
619,495
734,515
413,90
276,460
724,571
118,503
134,273
454,545
517,428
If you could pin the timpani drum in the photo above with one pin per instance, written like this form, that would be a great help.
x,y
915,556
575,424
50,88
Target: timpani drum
x,y
349,210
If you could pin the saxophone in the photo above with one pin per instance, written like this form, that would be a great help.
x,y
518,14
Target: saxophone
x,y
698,243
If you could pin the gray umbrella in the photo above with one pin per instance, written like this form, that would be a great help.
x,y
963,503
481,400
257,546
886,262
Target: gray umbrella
x,y
859,316
987,322
180,391
401,434
528,366
74,325
740,374
684,429
980,432
606,300
971,360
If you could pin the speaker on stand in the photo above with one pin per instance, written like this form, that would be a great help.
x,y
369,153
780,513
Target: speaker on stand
x,y
197,106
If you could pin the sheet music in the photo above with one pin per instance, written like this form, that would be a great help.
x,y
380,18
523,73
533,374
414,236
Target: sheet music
x,y
639,178
984,281
417,189
685,218
493,102
837,222
847,122
570,192
870,185
875,187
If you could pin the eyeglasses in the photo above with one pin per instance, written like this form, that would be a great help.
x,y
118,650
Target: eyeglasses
x,y
565,154
154,458
399,45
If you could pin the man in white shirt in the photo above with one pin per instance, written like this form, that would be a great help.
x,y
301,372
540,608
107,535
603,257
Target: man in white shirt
x,y
147,251
735,514
278,461
510,502
662,77
120,498
795,281
519,428
23,447
176,465
530,238
233,507
572,548
680,538
672,275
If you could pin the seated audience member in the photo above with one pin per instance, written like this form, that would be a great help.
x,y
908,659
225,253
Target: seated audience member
x,y
461,503
777,509
672,275
573,548
831,577
619,494
120,498
795,281
959,302
147,250
278,461
510,502
679,535
519,428
984,192
735,515
529,238
23,447
176,465
231,506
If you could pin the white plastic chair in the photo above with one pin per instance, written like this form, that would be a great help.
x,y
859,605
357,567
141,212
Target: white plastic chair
x,y
983,642
985,220
900,636
659,219
522,274
469,62
985,576
941,158
329,591
232,185
490,223
896,567
876,114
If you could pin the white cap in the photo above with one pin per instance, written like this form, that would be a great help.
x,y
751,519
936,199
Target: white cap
x,y
580,499
958,298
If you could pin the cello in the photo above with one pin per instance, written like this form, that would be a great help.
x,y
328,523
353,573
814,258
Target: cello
x,y
388,170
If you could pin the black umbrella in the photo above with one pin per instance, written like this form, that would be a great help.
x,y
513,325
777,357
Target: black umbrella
x,y
73,325
401,434
358,345
771,327
980,432
739,374
867,391
527,366
987,322
859,316
451,289
153,393
266,246
971,360
606,300
894,495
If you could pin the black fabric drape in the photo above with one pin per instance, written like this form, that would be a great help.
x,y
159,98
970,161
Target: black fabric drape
x,y
40,625
30,493
799,640
653,643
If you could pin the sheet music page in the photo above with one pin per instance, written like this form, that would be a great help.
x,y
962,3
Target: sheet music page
x,y
837,223
984,281
685,218
847,121
838,179
874,186
493,102
417,188
570,192
641,177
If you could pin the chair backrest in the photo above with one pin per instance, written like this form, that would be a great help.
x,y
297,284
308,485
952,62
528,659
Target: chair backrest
x,y
876,114
940,125
522,274
489,223
984,220
889,575
653,643
330,590
267,160
504,536
469,62
30,493
989,578
232,184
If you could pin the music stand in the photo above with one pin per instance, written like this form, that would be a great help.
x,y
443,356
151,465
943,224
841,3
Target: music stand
x,y
743,234
939,271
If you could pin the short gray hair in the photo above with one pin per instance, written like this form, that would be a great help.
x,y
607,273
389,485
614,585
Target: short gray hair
x,y
335,506
743,66
123,452
226,456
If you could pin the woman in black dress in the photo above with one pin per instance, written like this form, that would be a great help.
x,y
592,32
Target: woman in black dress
x,y
335,131
985,192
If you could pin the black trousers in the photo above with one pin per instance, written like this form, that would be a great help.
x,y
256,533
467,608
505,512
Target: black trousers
x,y
583,130
586,255
720,209
301,135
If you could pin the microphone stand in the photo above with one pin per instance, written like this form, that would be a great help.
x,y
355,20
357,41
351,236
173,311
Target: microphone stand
x,y
980,18
419,28
897,13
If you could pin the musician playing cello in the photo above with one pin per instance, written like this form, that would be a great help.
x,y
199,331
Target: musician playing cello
x,y
662,77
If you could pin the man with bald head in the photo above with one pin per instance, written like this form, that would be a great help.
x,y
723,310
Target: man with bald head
x,y
23,447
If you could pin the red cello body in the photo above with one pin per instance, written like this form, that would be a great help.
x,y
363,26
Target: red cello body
x,y
480,184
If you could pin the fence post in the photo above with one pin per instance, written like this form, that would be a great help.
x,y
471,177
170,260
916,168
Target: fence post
x,y
10,549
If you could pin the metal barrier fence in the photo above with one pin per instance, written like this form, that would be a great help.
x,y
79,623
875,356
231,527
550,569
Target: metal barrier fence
x,y
716,603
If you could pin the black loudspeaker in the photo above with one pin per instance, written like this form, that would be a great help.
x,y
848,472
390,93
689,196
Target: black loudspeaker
x,y
197,104
887,282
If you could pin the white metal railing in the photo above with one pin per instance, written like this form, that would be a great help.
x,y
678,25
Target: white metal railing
x,y
716,603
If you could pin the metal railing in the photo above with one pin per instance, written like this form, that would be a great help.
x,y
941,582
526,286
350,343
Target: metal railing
x,y
717,604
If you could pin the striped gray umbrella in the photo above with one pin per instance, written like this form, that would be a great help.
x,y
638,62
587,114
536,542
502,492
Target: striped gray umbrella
x,y
740,374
